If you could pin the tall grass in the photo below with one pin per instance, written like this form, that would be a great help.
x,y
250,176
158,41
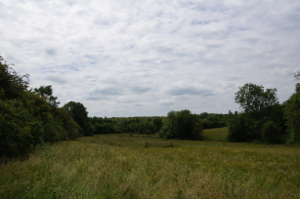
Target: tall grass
x,y
118,166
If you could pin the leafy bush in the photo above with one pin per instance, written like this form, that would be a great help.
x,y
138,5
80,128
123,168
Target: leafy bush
x,y
270,132
104,128
239,129
158,123
182,124
80,116
292,114
28,118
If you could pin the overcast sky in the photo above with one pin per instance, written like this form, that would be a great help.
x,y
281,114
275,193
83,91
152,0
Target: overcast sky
x,y
148,57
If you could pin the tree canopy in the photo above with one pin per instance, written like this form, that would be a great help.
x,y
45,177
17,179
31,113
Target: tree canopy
x,y
292,114
182,124
253,99
26,118
46,92
80,115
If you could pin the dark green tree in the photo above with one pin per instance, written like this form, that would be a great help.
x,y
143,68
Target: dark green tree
x,y
292,115
80,116
46,93
158,123
240,129
270,132
26,118
259,106
12,85
182,124
253,99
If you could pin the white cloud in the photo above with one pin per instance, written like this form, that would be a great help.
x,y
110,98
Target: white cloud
x,y
127,58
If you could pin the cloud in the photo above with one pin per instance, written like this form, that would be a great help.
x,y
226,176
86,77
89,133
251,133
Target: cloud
x,y
105,91
166,102
51,52
189,91
189,88
140,90
130,57
56,79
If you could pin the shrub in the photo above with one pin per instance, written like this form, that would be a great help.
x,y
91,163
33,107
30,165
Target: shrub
x,y
239,129
292,114
182,124
270,132
165,132
105,128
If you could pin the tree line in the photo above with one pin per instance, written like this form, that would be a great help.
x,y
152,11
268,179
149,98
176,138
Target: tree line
x,y
32,117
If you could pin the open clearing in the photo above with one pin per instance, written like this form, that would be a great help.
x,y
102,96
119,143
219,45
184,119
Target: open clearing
x,y
119,166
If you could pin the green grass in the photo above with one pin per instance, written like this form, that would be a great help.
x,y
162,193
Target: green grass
x,y
119,166
217,134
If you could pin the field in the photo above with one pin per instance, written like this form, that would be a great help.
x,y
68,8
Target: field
x,y
120,166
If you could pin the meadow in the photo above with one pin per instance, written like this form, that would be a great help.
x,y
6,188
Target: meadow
x,y
120,166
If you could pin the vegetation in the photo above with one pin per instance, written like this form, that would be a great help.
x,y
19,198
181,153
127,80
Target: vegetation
x,y
292,114
119,166
29,118
136,125
254,100
80,116
213,120
182,124
262,117
112,161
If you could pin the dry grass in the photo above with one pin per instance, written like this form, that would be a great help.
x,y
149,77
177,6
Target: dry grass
x,y
119,166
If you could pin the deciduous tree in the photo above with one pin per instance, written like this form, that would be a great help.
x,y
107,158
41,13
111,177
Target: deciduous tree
x,y
253,99
80,115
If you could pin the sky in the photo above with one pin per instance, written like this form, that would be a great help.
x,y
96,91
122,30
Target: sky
x,y
126,58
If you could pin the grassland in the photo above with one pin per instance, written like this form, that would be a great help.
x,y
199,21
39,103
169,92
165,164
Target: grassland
x,y
119,166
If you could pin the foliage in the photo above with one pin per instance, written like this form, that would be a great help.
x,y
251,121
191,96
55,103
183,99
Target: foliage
x,y
12,85
253,99
292,114
240,129
104,128
259,107
182,124
138,125
80,116
46,92
158,122
270,132
213,120
27,118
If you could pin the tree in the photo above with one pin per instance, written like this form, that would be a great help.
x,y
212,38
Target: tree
x,y
46,93
80,116
182,124
259,107
12,85
270,132
158,123
240,129
253,99
292,114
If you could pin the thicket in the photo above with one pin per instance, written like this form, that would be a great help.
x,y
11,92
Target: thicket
x,y
29,117
292,115
80,115
263,118
214,120
137,125
182,124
